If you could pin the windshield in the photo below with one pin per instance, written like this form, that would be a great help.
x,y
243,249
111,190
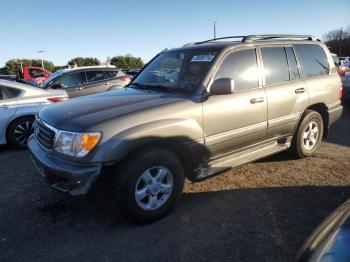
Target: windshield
x,y
52,78
180,70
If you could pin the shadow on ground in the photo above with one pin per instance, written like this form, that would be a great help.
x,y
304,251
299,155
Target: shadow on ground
x,y
265,224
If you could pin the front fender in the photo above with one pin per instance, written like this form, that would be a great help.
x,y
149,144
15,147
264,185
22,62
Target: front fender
x,y
186,132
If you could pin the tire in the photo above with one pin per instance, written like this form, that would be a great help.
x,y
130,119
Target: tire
x,y
308,135
155,199
19,131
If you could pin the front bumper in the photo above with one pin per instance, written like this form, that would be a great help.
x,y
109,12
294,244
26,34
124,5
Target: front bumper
x,y
63,175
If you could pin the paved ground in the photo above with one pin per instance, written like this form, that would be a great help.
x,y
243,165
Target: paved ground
x,y
259,212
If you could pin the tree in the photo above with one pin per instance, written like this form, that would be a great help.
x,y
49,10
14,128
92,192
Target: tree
x,y
127,62
338,41
84,61
12,65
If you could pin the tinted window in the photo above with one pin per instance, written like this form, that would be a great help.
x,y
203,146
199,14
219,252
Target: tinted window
x,y
275,65
313,60
8,93
34,73
292,62
241,66
73,79
93,76
112,74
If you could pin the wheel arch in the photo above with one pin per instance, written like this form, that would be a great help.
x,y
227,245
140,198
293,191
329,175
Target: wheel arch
x,y
322,109
15,118
190,153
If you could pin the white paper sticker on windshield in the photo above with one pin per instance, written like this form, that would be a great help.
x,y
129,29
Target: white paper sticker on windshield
x,y
202,58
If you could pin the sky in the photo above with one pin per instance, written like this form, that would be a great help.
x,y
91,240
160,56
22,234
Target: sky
x,y
65,29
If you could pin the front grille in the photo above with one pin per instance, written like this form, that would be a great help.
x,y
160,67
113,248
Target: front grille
x,y
44,135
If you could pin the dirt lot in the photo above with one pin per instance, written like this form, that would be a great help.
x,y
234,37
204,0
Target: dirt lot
x,y
259,212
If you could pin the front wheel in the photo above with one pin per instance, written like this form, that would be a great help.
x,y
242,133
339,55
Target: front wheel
x,y
149,184
308,135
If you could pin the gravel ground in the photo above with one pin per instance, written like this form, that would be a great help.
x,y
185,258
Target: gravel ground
x,y
262,211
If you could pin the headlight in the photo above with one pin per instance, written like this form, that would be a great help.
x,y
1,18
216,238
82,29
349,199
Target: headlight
x,y
76,144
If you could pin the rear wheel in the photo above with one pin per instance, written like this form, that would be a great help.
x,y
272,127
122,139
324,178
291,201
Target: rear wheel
x,y
308,135
149,184
19,131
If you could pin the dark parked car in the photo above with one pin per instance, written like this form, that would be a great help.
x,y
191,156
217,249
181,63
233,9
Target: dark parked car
x,y
87,80
331,240
192,112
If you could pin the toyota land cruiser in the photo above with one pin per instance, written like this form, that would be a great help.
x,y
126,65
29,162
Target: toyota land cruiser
x,y
192,112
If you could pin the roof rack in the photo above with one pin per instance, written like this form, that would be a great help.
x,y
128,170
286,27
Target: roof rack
x,y
253,38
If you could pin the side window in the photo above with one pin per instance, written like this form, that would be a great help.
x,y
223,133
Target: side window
x,y
275,65
313,60
8,93
292,62
93,76
34,73
242,67
112,74
73,79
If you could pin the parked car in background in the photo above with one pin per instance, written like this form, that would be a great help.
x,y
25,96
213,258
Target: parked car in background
x,y
36,74
346,87
18,105
331,239
80,81
335,59
192,112
132,72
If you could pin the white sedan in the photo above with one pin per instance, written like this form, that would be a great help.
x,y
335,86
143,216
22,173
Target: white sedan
x,y
19,104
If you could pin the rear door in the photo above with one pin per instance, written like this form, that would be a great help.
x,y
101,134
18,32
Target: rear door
x,y
96,82
8,108
286,92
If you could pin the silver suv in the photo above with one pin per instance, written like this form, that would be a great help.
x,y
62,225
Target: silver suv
x,y
192,112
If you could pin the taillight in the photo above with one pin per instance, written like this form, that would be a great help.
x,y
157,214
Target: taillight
x,y
124,78
341,92
56,99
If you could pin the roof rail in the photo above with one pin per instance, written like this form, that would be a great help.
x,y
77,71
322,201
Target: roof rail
x,y
252,38
214,39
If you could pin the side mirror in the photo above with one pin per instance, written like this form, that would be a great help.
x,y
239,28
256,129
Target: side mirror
x,y
222,86
56,86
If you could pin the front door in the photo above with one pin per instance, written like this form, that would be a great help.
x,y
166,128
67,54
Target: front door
x,y
71,83
235,121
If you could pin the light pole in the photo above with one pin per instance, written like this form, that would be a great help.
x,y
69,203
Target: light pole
x,y
215,29
41,56
341,40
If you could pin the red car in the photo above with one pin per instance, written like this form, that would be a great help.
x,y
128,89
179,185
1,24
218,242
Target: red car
x,y
36,74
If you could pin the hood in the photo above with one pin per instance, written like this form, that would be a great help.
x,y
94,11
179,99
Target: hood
x,y
78,114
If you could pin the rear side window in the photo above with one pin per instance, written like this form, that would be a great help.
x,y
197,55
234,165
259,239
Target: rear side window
x,y
275,65
8,93
292,62
112,74
313,60
93,76
241,66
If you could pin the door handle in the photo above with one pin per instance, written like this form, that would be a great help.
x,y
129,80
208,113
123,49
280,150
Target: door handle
x,y
80,88
257,100
106,83
300,90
